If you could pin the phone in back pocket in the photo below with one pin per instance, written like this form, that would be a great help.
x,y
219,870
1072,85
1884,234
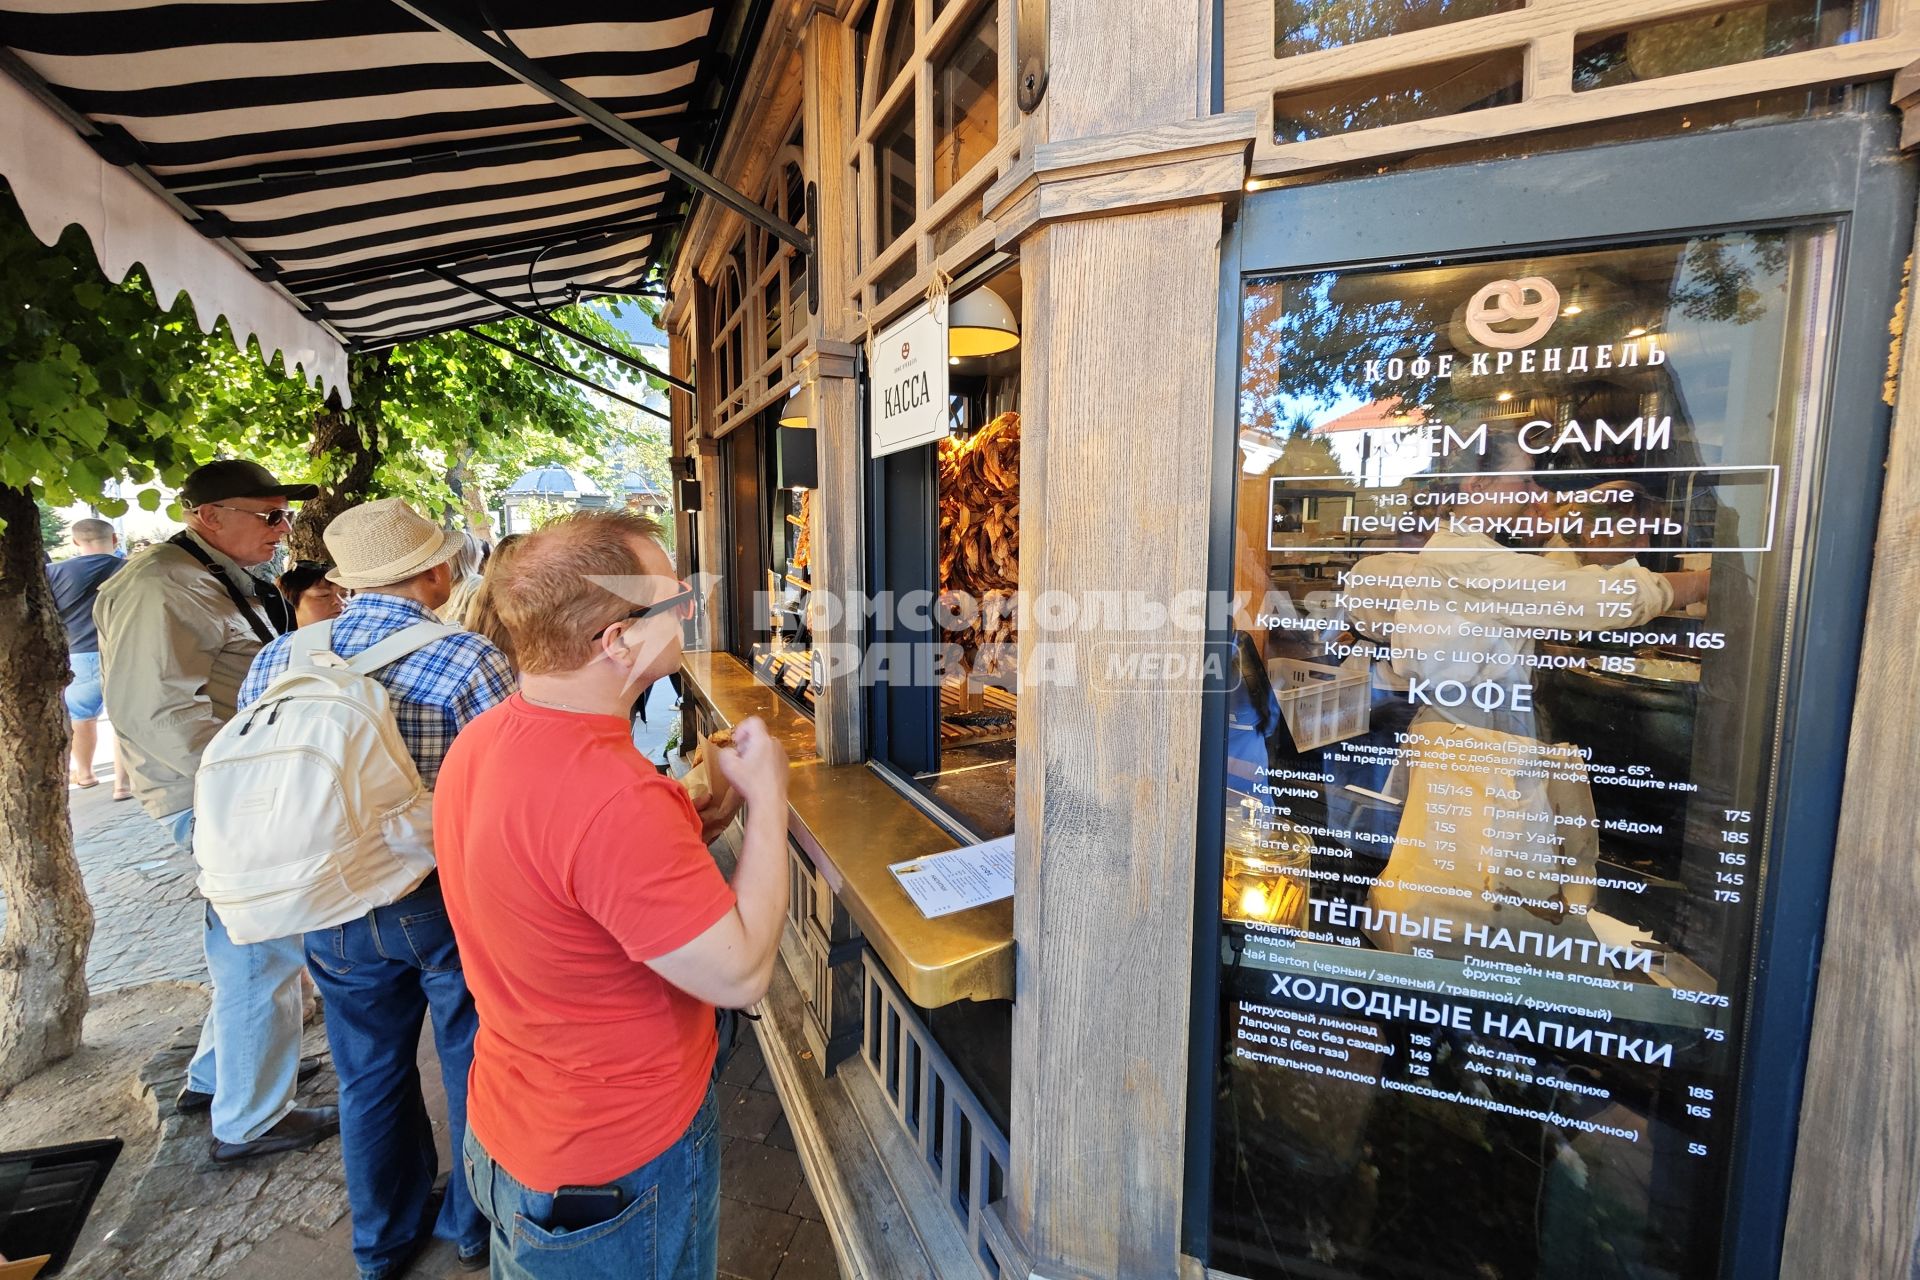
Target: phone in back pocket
x,y
577,1208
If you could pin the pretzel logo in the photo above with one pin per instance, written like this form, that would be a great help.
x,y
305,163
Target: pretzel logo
x,y
1530,298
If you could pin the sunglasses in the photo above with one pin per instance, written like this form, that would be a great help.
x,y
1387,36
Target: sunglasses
x,y
682,603
276,518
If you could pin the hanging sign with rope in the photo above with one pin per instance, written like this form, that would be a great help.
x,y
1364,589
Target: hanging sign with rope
x,y
907,387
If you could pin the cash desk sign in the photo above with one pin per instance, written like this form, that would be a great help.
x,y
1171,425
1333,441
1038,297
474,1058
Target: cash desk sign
x,y
907,384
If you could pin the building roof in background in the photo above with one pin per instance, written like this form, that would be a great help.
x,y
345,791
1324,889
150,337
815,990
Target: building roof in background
x,y
554,482
637,484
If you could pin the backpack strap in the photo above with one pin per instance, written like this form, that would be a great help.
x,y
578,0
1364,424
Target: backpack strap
x,y
309,642
399,645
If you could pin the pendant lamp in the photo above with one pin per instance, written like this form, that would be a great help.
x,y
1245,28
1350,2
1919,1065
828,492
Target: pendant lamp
x,y
980,323
794,412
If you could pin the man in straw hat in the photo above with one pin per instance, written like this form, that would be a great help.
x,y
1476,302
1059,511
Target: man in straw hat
x,y
382,973
178,627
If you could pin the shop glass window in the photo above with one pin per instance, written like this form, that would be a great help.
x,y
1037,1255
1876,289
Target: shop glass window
x,y
947,522
966,104
1401,97
1671,47
947,62
784,658
897,51
1513,550
1307,26
893,151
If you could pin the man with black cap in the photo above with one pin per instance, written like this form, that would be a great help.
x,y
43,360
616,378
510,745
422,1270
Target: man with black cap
x,y
179,627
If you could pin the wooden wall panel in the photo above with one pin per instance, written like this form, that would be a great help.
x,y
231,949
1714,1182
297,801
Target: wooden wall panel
x,y
1856,1183
1115,462
839,509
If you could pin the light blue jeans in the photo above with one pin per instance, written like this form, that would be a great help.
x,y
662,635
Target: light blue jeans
x,y
667,1226
249,1054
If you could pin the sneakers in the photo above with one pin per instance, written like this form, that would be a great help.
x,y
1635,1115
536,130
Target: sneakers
x,y
191,1099
301,1128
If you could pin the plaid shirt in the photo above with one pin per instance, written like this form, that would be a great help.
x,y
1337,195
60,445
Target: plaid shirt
x,y
435,690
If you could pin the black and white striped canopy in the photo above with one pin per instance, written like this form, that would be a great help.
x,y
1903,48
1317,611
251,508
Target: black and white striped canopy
x,y
346,147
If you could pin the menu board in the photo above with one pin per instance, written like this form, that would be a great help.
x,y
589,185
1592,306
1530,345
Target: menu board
x,y
1513,559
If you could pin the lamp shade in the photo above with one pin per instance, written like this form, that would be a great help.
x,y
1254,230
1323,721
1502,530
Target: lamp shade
x,y
794,412
981,324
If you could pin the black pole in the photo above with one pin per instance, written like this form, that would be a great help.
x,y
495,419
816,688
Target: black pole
x,y
535,77
540,362
548,322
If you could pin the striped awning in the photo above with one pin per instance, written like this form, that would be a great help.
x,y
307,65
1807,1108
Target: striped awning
x,y
351,157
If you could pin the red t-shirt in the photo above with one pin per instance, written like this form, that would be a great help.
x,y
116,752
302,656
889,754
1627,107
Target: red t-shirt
x,y
567,862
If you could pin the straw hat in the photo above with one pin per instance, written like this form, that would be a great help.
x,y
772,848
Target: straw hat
x,y
377,544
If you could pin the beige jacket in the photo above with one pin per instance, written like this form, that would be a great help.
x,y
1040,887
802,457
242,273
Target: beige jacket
x,y
173,652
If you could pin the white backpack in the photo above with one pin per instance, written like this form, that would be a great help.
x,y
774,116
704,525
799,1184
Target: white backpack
x,y
308,810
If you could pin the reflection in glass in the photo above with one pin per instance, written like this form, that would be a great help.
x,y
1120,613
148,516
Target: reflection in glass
x,y
1510,539
1397,97
1650,50
955,228
898,50
895,277
966,110
893,155
1304,26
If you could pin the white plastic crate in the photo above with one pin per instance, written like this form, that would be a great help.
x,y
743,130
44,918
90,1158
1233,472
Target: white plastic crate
x,y
1322,704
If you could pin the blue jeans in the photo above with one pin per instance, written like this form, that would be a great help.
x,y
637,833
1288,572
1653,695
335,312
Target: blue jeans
x,y
249,1054
668,1227
381,975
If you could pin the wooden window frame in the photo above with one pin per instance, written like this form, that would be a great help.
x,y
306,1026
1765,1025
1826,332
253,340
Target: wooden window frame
x,y
1546,30
912,89
755,260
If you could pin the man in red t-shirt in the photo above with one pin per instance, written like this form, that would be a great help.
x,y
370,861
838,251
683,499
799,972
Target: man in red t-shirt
x,y
596,932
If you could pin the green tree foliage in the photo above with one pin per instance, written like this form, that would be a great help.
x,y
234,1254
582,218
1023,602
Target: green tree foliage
x,y
98,382
53,528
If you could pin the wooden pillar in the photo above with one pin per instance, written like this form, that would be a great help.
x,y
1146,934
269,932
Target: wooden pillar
x,y
1120,221
1856,1176
839,511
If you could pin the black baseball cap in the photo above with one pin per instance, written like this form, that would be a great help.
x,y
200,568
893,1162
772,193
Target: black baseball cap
x,y
239,478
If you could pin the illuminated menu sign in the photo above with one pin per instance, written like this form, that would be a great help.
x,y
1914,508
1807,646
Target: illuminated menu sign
x,y
1511,569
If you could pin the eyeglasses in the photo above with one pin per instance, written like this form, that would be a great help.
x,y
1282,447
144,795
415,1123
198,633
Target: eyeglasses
x,y
683,604
275,518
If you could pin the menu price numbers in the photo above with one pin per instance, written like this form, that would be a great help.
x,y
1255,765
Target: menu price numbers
x,y
1420,1055
1735,841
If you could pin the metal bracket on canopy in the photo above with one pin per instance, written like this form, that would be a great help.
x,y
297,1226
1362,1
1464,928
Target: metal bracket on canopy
x,y
530,73
548,322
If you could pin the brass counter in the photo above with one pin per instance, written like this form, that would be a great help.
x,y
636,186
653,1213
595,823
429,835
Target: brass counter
x,y
852,825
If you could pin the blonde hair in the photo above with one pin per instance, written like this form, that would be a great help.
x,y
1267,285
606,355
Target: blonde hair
x,y
544,594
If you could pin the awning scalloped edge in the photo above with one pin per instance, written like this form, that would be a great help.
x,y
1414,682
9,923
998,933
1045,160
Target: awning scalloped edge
x,y
58,180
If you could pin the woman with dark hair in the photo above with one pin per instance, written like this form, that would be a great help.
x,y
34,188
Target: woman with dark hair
x,y
311,596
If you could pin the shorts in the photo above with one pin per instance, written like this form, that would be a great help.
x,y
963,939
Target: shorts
x,y
83,691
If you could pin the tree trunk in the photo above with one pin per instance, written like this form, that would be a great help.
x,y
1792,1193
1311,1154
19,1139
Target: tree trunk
x,y
337,434
43,952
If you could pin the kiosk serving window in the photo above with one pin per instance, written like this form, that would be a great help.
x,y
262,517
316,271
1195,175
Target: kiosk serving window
x,y
947,533
1514,550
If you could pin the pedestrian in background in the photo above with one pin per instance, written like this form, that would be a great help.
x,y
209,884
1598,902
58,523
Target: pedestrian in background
x,y
597,932
76,582
468,562
309,594
179,626
382,974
